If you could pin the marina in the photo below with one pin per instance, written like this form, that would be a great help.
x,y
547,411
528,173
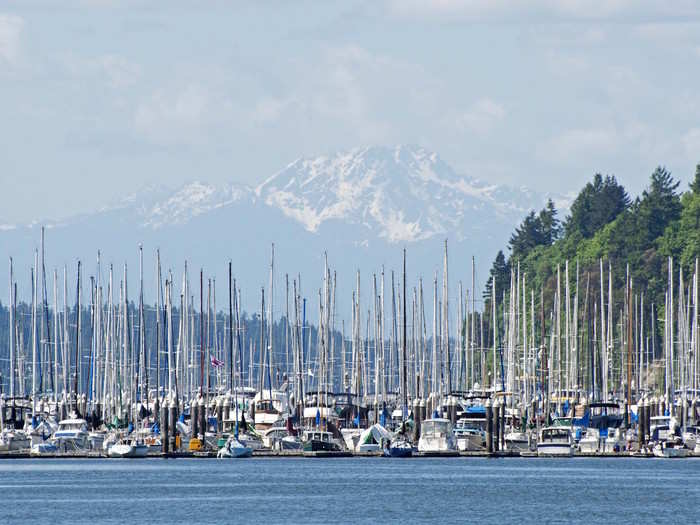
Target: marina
x,y
123,379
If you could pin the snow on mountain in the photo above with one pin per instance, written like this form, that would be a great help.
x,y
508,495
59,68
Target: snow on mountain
x,y
402,194
190,201
358,206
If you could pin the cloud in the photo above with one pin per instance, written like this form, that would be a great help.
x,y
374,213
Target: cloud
x,y
574,143
174,117
10,31
347,88
481,117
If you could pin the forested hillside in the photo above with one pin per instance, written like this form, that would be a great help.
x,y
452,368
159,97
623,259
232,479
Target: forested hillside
x,y
606,224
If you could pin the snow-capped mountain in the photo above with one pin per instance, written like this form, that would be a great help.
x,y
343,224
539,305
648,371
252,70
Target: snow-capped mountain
x,y
361,206
403,194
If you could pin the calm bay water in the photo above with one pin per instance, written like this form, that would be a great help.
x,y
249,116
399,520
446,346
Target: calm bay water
x,y
356,490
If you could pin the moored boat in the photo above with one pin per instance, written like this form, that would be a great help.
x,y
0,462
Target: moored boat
x,y
128,448
555,441
436,437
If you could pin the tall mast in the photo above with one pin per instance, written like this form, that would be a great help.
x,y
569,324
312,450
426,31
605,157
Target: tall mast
x,y
446,330
12,336
158,310
271,319
34,348
403,342
77,341
230,326
201,332
55,338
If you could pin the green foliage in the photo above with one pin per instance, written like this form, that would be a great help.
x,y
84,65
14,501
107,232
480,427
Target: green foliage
x,y
599,203
605,225
536,230
500,272
695,185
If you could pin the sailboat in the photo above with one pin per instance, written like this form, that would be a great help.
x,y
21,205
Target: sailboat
x,y
233,448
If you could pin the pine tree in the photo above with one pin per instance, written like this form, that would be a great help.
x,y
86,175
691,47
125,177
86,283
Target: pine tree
x,y
550,227
500,271
659,205
598,204
695,185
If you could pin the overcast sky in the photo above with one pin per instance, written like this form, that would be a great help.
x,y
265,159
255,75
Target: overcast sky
x,y
98,100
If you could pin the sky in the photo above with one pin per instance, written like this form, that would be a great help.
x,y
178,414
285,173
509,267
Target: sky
x,y
99,99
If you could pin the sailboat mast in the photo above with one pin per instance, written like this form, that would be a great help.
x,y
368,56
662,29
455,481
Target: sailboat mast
x,y
403,342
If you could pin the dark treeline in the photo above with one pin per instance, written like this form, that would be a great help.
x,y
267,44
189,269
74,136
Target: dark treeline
x,y
249,341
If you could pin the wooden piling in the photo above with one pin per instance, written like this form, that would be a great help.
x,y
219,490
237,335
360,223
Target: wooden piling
x,y
202,418
489,427
496,425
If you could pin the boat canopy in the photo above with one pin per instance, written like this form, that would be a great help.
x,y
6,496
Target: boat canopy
x,y
374,435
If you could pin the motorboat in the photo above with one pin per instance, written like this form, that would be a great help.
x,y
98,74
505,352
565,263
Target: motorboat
x,y
128,448
47,448
14,440
436,437
555,441
319,441
603,433
469,435
268,406
517,441
72,434
670,448
602,441
289,443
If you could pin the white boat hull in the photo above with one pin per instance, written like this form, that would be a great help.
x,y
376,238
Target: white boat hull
x,y
121,450
472,442
555,449
430,445
670,452
14,441
517,442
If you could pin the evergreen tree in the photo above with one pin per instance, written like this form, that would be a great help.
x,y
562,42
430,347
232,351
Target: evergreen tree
x,y
500,271
598,204
550,227
526,236
659,205
695,185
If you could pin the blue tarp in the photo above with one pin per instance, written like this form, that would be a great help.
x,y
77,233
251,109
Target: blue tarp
x,y
584,421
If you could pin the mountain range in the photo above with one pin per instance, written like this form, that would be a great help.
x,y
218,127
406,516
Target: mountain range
x,y
361,207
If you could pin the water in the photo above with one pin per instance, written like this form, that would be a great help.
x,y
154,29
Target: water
x,y
356,490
